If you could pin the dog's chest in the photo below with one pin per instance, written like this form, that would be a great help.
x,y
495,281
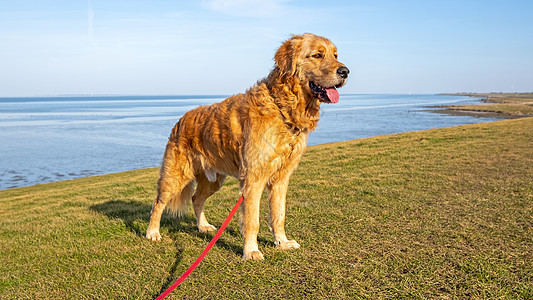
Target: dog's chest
x,y
285,146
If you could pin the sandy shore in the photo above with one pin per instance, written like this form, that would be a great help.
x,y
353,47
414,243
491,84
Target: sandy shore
x,y
470,113
495,105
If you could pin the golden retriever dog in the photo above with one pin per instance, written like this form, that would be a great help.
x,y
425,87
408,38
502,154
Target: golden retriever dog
x,y
257,137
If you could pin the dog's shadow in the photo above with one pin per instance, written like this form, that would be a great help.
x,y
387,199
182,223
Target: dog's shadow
x,y
136,215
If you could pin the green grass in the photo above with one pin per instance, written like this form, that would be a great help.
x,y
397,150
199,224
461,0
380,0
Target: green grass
x,y
441,213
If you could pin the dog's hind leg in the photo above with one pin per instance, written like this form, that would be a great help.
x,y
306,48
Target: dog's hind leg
x,y
174,187
204,189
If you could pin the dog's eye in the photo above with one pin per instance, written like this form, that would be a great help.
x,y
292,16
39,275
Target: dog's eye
x,y
318,55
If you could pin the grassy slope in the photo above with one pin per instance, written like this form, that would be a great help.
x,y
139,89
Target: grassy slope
x,y
438,213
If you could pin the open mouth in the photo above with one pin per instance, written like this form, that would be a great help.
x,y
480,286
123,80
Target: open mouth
x,y
328,95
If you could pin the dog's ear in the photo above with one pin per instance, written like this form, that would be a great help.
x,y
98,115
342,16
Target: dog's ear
x,y
287,56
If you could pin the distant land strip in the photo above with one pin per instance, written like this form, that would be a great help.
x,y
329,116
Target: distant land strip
x,y
502,105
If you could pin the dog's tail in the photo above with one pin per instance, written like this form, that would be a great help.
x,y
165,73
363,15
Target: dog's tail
x,y
179,203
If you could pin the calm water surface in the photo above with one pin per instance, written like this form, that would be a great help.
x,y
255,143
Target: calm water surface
x,y
57,138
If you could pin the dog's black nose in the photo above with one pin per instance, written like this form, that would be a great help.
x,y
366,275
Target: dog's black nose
x,y
343,72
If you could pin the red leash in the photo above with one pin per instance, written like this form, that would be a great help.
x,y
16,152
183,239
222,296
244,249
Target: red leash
x,y
204,253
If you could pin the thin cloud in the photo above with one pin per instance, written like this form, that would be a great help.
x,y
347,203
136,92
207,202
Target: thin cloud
x,y
90,22
247,8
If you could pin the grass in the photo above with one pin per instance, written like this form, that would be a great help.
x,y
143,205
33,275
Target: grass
x,y
443,213
505,104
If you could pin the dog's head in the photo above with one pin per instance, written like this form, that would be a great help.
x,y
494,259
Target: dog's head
x,y
311,61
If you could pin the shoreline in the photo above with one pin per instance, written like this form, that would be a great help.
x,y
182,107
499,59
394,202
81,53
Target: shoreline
x,y
494,105
444,109
22,175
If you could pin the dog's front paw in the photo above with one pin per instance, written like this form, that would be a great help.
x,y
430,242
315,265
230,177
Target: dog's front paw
x,y
286,245
153,235
253,255
207,228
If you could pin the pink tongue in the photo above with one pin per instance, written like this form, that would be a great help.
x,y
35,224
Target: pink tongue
x,y
333,95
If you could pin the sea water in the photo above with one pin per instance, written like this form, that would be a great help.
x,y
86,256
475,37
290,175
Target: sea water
x,y
48,139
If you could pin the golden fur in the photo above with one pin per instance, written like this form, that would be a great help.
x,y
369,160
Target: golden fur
x,y
257,137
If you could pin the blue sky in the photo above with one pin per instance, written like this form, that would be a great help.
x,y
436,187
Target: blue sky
x,y
225,46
